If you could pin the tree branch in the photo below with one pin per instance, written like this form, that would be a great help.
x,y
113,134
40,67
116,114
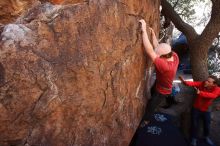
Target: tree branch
x,y
187,29
212,29
174,6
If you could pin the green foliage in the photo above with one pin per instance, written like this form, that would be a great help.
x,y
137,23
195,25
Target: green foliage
x,y
214,63
185,8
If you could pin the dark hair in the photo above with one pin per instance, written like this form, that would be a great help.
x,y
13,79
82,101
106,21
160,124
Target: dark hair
x,y
214,78
168,55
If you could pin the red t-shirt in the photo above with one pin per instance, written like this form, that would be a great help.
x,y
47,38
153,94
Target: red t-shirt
x,y
205,97
165,73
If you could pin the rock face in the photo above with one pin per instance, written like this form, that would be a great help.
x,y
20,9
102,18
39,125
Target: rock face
x,y
74,74
10,10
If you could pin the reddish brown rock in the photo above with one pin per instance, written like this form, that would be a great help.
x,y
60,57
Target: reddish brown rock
x,y
67,1
10,10
74,74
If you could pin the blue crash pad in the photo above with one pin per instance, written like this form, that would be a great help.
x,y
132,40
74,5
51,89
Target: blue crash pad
x,y
159,132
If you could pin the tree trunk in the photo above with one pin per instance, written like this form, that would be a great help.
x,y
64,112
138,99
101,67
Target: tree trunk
x,y
198,59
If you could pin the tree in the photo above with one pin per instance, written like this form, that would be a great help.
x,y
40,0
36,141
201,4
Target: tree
x,y
185,8
198,44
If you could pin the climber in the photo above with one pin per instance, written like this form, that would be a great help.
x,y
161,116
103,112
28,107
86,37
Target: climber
x,y
206,91
166,63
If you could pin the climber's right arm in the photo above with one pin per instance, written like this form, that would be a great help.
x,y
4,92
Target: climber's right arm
x,y
147,45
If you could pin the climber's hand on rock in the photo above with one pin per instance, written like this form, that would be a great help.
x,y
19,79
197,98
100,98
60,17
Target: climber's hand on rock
x,y
143,24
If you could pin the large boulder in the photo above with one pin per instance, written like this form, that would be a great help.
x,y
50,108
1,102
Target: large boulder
x,y
75,74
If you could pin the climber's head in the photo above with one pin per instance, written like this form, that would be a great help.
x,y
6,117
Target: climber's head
x,y
164,50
